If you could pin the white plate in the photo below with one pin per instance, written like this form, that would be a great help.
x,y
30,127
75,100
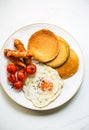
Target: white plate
x,y
71,85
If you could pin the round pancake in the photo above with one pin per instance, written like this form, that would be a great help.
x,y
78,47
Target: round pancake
x,y
43,45
62,55
70,66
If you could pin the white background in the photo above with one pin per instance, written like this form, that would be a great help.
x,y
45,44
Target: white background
x,y
73,16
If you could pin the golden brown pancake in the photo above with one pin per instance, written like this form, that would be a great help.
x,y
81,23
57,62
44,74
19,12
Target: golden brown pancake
x,y
62,55
70,66
43,45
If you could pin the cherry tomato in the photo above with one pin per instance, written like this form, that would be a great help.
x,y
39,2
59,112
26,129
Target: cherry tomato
x,y
26,75
11,77
11,68
21,75
18,84
31,69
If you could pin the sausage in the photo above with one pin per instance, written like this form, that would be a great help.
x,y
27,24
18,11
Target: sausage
x,y
14,60
19,46
17,61
17,53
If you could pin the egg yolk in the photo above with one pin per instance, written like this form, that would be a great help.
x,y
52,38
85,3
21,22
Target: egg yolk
x,y
46,86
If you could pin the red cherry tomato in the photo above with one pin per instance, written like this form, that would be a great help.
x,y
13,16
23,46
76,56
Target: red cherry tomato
x,y
31,69
21,75
11,68
11,77
18,84
26,75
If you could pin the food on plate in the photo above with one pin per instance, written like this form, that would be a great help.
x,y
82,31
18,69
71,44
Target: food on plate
x,y
15,60
17,53
18,85
43,45
44,86
19,46
11,77
11,68
70,66
19,56
21,74
62,55
31,69
17,75
39,71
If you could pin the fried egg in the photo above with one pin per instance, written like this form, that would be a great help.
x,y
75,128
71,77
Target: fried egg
x,y
44,86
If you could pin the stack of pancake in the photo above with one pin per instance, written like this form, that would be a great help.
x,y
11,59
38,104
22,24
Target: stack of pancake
x,y
54,51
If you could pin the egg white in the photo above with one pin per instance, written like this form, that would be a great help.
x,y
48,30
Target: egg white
x,y
32,90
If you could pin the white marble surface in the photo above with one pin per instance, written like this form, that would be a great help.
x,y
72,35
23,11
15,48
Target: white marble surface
x,y
73,16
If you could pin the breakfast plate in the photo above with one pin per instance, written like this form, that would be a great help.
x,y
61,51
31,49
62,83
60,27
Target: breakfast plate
x,y
71,85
